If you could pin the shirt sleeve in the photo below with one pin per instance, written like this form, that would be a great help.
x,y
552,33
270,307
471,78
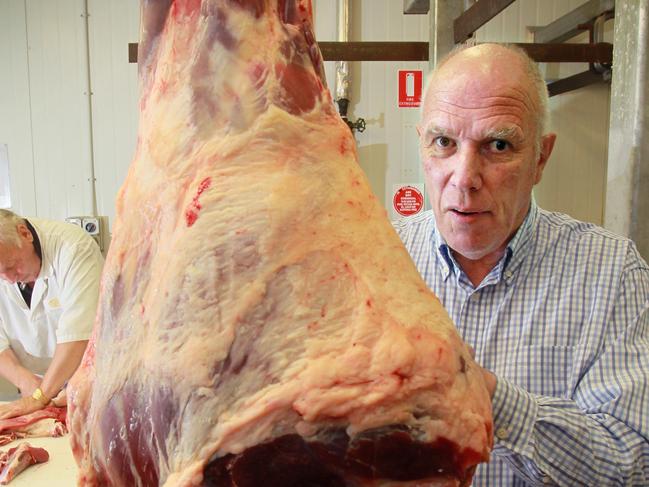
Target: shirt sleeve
x,y
79,276
600,434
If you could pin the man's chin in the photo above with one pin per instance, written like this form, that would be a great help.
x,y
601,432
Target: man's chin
x,y
474,251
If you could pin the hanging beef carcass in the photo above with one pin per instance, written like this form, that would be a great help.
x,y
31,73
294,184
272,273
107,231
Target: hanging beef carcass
x,y
260,322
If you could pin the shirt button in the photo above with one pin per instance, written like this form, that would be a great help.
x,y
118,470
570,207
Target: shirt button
x,y
547,480
508,274
474,297
502,433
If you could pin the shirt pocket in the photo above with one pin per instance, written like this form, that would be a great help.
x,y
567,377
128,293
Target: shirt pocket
x,y
543,370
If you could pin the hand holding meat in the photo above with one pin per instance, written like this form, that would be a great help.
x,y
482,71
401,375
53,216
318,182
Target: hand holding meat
x,y
557,308
20,407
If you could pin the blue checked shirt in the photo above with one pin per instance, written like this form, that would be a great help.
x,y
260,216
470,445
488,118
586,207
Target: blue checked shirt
x,y
563,321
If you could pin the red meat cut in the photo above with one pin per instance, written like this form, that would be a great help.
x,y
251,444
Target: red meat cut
x,y
46,422
260,322
17,459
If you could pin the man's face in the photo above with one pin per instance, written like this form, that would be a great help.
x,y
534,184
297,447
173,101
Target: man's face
x,y
477,140
19,263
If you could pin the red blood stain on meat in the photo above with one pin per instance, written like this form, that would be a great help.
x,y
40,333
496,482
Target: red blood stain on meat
x,y
185,8
191,213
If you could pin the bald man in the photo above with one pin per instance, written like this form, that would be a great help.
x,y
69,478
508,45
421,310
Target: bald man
x,y
556,310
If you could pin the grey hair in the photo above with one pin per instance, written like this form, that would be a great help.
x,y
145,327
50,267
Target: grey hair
x,y
542,117
9,222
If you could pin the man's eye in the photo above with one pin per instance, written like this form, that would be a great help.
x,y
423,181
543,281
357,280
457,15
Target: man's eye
x,y
442,141
499,145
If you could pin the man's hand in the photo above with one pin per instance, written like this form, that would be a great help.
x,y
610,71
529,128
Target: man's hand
x,y
29,383
490,381
61,400
489,378
19,407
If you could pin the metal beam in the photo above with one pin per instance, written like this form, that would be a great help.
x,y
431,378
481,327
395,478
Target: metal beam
x,y
441,18
627,174
574,82
374,51
570,53
476,16
416,6
568,25
418,51
355,51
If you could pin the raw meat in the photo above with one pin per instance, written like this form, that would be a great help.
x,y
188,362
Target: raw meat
x,y
15,460
260,322
49,421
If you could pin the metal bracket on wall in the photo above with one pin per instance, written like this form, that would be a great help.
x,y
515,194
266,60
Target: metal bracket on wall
x,y
548,43
590,16
416,6
571,24
476,16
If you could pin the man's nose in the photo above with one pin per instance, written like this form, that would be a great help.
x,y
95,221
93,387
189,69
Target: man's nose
x,y
467,170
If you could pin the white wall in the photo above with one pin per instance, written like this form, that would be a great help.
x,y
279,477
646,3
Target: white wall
x,y
574,181
50,60
45,106
15,112
112,25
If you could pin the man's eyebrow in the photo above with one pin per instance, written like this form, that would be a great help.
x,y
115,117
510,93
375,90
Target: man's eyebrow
x,y
507,133
431,132
436,129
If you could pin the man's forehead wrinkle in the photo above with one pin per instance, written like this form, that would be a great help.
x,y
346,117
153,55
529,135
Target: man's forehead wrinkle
x,y
528,98
465,112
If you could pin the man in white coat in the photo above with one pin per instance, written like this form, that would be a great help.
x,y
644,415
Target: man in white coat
x,y
49,288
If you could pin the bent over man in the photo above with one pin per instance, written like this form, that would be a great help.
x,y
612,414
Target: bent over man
x,y
50,275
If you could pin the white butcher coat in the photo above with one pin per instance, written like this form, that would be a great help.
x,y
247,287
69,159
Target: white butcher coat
x,y
64,298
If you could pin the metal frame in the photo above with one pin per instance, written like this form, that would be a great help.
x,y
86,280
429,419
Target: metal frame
x,y
419,51
548,45
627,185
354,51
571,24
476,16
416,6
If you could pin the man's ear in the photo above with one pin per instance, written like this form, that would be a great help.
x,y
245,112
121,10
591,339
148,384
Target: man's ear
x,y
547,144
24,233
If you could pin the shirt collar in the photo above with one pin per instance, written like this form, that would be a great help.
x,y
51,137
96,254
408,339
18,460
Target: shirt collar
x,y
46,268
444,255
510,261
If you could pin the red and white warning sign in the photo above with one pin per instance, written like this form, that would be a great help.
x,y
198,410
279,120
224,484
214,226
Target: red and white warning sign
x,y
410,87
408,200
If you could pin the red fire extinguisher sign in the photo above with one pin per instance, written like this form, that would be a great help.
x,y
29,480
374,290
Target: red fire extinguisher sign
x,y
410,87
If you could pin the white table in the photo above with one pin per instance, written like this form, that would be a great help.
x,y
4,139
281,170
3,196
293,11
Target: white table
x,y
59,471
